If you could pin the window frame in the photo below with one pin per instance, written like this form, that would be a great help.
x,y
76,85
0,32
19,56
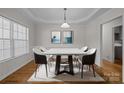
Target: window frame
x,y
12,48
18,39
3,38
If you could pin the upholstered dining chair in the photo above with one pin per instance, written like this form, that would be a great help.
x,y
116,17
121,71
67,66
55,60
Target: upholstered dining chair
x,y
43,49
50,58
76,57
40,59
89,59
85,48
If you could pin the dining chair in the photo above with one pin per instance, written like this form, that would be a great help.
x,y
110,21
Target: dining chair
x,y
43,49
84,49
76,57
40,59
89,59
50,58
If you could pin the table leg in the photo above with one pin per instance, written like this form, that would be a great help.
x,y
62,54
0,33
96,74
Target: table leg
x,y
70,61
58,60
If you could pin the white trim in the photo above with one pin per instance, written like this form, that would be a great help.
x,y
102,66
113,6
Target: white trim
x,y
45,21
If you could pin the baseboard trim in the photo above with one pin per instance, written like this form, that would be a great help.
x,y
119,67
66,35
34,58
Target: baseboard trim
x,y
4,76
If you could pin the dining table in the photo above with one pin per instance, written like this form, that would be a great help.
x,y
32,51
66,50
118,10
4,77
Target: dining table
x,y
58,52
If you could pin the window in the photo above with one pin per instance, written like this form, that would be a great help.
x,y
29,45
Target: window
x,y
5,39
13,39
20,39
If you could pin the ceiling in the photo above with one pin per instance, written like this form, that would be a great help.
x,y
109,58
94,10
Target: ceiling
x,y
55,15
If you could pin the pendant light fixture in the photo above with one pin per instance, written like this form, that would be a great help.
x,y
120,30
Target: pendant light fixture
x,y
65,24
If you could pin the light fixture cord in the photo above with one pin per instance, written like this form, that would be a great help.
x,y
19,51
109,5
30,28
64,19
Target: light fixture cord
x,y
65,15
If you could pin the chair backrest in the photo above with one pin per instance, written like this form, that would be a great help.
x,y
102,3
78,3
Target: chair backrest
x,y
43,49
84,49
37,51
39,57
89,58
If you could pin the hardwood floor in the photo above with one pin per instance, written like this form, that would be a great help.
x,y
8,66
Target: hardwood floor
x,y
118,61
22,75
111,72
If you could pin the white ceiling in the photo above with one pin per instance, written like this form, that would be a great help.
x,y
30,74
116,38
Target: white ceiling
x,y
55,15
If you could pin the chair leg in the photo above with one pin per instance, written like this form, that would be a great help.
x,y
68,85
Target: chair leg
x,y
89,67
76,63
36,70
38,67
93,70
82,71
79,67
50,62
46,70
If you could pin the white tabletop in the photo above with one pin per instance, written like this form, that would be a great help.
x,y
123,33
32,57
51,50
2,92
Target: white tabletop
x,y
64,51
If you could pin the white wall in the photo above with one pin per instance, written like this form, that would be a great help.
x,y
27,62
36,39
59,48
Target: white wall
x,y
43,35
12,65
93,30
107,38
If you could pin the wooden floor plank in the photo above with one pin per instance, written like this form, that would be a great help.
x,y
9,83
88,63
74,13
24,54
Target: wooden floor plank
x,y
22,75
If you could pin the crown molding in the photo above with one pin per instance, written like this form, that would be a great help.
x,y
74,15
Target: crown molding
x,y
60,21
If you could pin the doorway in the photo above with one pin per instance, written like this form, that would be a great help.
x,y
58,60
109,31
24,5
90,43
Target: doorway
x,y
117,44
112,40
111,47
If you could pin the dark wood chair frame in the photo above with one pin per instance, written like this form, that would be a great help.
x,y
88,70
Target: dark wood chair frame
x,y
88,60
